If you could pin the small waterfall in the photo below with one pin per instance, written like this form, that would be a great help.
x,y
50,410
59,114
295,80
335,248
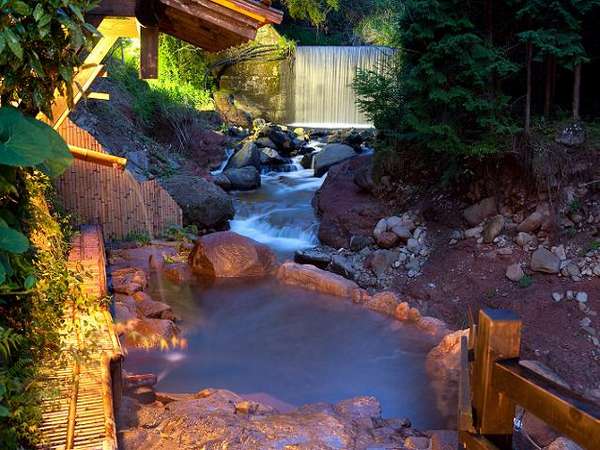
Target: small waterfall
x,y
323,95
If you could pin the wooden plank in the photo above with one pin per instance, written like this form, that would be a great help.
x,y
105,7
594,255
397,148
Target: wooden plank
x,y
565,411
498,337
465,408
474,442
149,52
116,27
98,96
220,16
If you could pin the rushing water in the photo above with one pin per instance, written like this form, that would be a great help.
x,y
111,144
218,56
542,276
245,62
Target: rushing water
x,y
323,94
266,340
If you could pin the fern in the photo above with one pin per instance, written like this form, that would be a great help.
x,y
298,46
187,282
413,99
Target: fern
x,y
9,342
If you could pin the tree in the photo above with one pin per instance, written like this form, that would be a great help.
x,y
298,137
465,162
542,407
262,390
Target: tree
x,y
313,10
40,46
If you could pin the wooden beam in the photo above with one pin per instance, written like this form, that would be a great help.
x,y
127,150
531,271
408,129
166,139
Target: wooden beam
x,y
104,159
117,27
149,52
498,337
220,16
116,8
98,95
566,412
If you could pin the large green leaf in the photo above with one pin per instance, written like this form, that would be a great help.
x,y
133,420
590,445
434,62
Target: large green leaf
x,y
25,141
13,241
21,144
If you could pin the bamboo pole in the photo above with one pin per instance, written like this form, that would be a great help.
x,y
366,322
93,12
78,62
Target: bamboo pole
x,y
93,156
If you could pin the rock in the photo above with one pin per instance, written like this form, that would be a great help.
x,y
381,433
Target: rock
x,y
432,326
581,297
514,272
331,154
342,266
233,110
416,443
222,181
203,203
313,278
271,157
531,223
444,440
227,254
143,394
557,297
474,232
493,228
476,213
152,309
148,333
128,280
384,302
343,208
523,239
379,261
358,242
572,135
402,232
248,155
413,245
381,227
244,179
402,310
543,260
363,178
262,142
123,314
387,239
178,273
282,140
314,257
560,252
359,407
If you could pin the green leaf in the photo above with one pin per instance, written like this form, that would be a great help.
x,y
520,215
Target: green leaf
x,y
38,12
60,157
4,412
2,390
2,43
13,43
21,8
22,144
77,12
13,241
2,273
29,282
6,187
44,20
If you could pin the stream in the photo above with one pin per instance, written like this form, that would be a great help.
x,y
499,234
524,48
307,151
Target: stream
x,y
283,344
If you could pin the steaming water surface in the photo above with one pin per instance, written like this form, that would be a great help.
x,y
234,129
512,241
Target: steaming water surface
x,y
259,337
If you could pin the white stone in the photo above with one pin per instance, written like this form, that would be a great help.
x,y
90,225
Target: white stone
x,y
474,232
560,252
581,297
557,296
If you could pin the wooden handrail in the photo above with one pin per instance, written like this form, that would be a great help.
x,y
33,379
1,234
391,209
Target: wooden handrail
x,y
493,383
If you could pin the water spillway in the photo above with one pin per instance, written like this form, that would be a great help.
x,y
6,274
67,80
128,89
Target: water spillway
x,y
323,96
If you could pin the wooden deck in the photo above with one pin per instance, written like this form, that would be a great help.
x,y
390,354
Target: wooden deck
x,y
84,387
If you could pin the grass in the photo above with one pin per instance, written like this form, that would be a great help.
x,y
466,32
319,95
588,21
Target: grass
x,y
525,282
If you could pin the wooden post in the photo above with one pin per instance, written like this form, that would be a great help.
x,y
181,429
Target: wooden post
x,y
498,338
148,52
576,91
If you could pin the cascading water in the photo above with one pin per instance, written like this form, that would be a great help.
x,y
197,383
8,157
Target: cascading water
x,y
323,96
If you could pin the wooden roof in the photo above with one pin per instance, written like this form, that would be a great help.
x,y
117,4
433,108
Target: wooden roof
x,y
213,25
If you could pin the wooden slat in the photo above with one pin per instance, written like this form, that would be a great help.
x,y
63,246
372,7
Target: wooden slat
x,y
149,52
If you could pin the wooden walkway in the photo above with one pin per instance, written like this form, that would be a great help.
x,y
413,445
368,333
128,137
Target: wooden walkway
x,y
85,385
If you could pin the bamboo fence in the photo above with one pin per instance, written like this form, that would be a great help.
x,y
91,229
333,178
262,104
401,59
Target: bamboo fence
x,y
111,197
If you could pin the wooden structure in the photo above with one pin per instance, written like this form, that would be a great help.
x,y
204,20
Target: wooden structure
x,y
493,382
97,192
78,410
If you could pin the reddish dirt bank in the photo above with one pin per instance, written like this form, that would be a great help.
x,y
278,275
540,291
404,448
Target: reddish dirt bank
x,y
460,278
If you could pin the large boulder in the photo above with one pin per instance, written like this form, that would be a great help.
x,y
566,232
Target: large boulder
x,y
228,255
315,279
543,260
271,157
243,179
248,155
476,213
331,155
203,203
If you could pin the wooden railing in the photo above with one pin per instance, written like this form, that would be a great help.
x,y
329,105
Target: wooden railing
x,y
492,383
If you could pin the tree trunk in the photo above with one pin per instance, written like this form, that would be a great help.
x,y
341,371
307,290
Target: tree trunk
x,y
548,93
528,98
576,91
